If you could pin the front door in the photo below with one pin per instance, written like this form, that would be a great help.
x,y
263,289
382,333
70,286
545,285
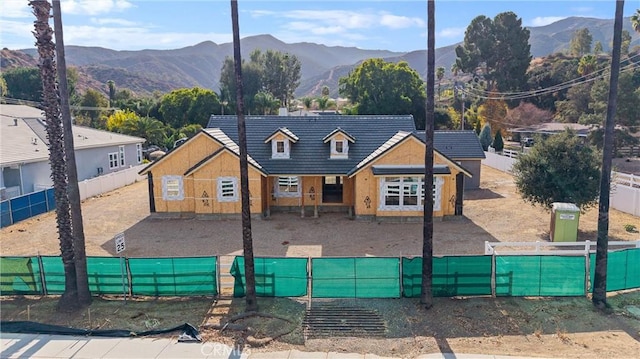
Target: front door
x,y
332,189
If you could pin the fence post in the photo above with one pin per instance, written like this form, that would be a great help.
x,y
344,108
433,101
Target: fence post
x,y
309,282
218,287
128,269
43,281
493,274
401,274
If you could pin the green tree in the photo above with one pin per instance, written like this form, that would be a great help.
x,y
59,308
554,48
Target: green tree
x,y
635,21
307,102
385,88
3,87
323,103
626,42
498,50
440,75
498,142
597,48
325,91
281,75
485,136
252,81
23,83
112,92
580,43
559,169
188,105
265,103
587,65
148,128
93,103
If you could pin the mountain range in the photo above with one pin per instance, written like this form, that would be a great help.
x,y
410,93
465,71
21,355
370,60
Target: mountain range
x,y
146,71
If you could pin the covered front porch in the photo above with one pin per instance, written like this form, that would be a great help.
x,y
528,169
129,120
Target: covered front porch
x,y
309,195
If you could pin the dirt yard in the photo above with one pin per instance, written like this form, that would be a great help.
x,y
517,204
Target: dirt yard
x,y
495,213
545,327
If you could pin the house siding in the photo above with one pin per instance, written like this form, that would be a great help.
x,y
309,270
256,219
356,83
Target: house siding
x,y
205,184
177,163
35,174
90,159
410,152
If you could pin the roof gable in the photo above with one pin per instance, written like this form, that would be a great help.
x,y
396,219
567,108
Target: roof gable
x,y
337,131
285,132
394,142
215,154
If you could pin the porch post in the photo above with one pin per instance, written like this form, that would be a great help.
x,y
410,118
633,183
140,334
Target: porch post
x,y
302,195
317,194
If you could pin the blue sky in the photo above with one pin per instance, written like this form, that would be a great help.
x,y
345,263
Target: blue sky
x,y
170,24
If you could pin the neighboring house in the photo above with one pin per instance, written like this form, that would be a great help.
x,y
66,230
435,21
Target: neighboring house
x,y
551,128
24,151
367,166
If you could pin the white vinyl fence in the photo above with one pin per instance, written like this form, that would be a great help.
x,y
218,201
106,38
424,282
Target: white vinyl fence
x,y
625,188
109,182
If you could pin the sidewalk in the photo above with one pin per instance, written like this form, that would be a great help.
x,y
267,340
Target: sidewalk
x,y
58,346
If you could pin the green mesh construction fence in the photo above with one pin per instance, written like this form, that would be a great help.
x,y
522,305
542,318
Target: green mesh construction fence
x,y
173,276
540,276
355,277
623,269
19,275
53,274
452,276
275,277
105,275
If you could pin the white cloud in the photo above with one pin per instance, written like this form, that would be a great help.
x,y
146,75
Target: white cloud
x,y
18,32
112,21
545,20
15,9
93,7
135,38
452,32
400,22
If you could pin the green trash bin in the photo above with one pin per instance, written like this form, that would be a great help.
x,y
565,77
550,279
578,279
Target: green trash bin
x,y
564,222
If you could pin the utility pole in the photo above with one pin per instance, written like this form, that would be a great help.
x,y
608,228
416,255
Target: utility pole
x,y
462,120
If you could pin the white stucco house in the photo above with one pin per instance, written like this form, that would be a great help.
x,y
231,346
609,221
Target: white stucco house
x,y
24,152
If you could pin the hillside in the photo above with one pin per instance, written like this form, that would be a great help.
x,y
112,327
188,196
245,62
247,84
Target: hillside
x,y
147,71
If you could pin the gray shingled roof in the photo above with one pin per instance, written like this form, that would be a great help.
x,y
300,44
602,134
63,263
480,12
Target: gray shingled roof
x,y
310,155
27,141
456,144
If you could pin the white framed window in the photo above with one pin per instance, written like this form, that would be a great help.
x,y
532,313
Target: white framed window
x,y
227,189
406,193
139,152
280,148
172,188
339,148
113,160
121,155
287,187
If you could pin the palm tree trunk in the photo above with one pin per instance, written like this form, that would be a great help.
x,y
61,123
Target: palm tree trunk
x,y
247,241
426,293
77,226
46,51
599,298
